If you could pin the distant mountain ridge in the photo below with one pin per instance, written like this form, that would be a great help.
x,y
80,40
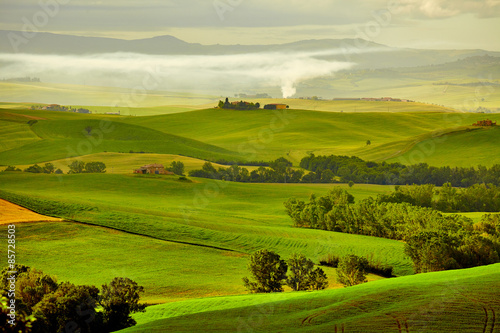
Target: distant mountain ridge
x,y
365,53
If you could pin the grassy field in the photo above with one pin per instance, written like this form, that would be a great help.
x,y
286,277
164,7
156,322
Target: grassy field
x,y
451,301
439,152
128,101
169,271
124,163
201,214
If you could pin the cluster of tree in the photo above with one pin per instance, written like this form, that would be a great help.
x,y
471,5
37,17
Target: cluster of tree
x,y
22,79
433,241
89,167
56,107
476,198
280,171
12,168
328,169
269,273
261,95
76,167
44,305
241,105
47,168
247,163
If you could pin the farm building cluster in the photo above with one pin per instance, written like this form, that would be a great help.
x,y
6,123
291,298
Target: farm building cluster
x,y
374,99
486,122
156,169
57,107
275,106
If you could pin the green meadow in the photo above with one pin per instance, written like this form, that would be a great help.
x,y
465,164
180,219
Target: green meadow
x,y
198,216
213,134
451,301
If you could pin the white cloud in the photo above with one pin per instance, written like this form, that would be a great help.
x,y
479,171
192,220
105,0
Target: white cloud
x,y
436,9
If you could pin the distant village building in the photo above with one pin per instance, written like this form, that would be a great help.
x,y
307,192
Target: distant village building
x,y
275,106
53,107
486,122
157,169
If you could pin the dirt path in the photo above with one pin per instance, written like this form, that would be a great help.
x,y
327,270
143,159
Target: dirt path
x,y
11,213
18,115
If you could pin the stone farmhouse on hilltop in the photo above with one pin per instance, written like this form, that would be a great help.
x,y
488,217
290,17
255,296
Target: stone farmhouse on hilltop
x,y
486,122
157,169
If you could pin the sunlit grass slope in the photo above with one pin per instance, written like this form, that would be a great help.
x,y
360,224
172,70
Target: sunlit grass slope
x,y
231,216
247,135
451,301
463,149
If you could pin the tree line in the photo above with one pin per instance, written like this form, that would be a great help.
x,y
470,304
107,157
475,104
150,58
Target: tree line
x,y
475,198
433,241
344,169
279,171
329,169
241,105
44,305
75,167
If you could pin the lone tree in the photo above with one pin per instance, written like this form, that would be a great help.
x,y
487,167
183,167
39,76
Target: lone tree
x,y
88,129
300,270
177,168
268,270
49,168
352,270
76,167
303,276
95,167
119,300
317,279
368,142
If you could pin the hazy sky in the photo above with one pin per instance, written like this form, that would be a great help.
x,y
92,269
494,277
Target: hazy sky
x,y
408,23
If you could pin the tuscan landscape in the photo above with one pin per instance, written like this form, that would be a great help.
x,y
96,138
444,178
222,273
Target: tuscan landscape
x,y
246,166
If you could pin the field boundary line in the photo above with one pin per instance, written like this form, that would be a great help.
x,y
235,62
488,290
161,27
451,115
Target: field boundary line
x,y
153,237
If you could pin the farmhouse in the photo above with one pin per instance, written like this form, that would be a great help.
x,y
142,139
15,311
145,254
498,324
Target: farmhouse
x,y
275,106
53,107
486,122
157,169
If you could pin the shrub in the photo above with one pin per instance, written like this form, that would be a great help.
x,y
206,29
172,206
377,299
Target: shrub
x,y
352,270
330,260
317,279
12,168
34,169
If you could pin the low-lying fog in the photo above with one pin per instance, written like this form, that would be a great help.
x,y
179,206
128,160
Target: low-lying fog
x,y
222,74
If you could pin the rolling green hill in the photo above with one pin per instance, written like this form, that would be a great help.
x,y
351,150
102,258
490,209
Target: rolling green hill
x,y
183,240
102,99
201,214
451,301
213,134
475,148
